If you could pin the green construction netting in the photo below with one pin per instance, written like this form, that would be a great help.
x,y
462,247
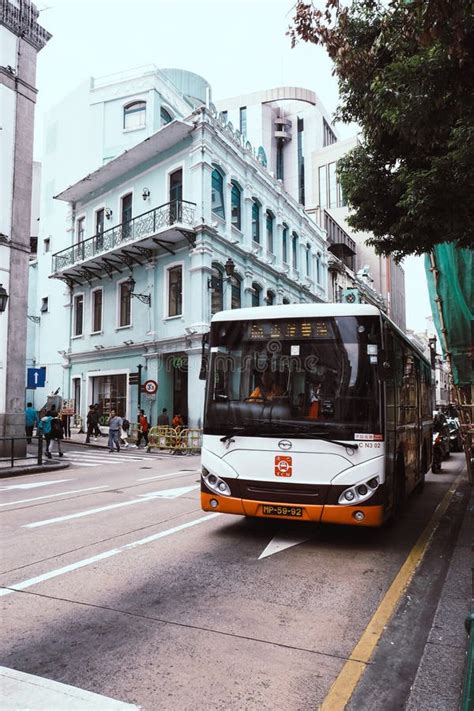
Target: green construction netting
x,y
453,287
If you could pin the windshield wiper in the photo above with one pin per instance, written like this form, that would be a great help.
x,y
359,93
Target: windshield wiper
x,y
305,430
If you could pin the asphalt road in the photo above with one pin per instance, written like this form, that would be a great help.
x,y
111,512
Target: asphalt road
x,y
125,588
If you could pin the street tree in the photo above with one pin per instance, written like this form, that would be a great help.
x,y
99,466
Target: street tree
x,y
406,75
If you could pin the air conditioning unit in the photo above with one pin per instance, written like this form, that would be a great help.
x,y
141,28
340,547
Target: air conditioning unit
x,y
351,296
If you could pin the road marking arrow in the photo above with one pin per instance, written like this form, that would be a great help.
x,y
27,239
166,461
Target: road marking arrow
x,y
282,541
171,493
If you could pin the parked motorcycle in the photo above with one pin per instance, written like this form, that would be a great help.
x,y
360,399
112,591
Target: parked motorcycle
x,y
455,436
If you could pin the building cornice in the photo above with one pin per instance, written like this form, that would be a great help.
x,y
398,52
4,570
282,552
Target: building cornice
x,y
22,21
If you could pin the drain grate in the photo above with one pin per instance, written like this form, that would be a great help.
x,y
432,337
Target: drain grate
x,y
145,467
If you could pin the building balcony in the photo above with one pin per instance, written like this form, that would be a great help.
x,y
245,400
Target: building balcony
x,y
125,245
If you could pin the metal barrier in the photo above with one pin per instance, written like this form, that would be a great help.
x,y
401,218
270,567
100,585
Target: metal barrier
x,y
15,455
185,441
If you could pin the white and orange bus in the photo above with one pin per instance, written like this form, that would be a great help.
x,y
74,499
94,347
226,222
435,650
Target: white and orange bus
x,y
314,412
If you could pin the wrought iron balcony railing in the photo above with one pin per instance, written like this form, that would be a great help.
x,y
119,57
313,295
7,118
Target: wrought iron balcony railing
x,y
177,212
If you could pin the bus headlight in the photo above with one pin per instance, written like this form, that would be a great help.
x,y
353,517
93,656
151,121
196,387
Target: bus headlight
x,y
215,483
359,492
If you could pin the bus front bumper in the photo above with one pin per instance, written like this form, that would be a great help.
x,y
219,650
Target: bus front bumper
x,y
349,515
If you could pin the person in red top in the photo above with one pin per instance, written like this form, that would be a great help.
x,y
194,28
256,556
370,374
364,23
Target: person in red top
x,y
142,428
177,422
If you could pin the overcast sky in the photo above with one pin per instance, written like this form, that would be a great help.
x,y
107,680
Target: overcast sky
x,y
237,45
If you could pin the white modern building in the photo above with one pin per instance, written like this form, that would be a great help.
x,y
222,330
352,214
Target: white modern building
x,y
302,148
21,38
157,238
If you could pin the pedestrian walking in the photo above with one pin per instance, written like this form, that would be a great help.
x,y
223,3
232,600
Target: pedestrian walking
x,y
115,426
163,419
31,420
142,428
66,423
52,429
124,432
92,423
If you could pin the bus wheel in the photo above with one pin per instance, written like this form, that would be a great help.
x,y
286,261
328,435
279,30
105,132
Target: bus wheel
x,y
398,492
421,484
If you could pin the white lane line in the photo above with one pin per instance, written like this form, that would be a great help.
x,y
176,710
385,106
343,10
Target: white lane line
x,y
170,494
50,496
82,464
33,485
102,556
163,476
27,691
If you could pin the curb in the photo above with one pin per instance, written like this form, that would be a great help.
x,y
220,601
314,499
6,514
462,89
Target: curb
x,y
35,469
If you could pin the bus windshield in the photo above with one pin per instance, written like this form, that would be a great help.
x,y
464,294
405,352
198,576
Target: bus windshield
x,y
311,377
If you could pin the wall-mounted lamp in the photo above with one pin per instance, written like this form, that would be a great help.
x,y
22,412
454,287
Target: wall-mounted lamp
x,y
62,353
35,319
108,213
146,193
144,298
99,348
128,343
3,298
216,282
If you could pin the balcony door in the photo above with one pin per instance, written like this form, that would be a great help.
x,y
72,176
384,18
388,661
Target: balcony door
x,y
176,195
99,228
126,216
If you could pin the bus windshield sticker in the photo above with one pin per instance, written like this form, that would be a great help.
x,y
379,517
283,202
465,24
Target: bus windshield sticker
x,y
368,437
372,349
295,350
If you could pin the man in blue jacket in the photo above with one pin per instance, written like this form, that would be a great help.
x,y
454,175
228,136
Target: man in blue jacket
x,y
31,420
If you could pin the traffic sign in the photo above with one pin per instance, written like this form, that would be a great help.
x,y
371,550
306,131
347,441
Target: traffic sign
x,y
36,378
150,387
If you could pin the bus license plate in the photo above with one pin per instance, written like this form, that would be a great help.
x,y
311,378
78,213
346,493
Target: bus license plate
x,y
296,511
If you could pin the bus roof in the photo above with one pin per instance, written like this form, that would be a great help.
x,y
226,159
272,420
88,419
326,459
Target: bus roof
x,y
296,311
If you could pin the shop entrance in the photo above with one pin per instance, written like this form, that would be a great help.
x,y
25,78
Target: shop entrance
x,y
179,365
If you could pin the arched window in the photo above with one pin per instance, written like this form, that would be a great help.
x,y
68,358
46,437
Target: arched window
x,y
236,205
256,294
294,250
286,301
236,294
270,298
308,257
269,226
134,115
256,221
217,196
165,116
284,245
217,289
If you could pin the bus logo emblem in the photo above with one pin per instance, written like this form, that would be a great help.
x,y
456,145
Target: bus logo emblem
x,y
283,465
285,444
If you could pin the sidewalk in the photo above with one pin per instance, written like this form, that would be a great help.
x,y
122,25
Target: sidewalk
x,y
438,684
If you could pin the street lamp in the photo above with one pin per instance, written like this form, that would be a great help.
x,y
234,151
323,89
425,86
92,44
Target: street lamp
x,y
216,282
3,298
144,298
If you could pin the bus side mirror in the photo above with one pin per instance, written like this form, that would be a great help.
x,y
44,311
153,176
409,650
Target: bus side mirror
x,y
204,357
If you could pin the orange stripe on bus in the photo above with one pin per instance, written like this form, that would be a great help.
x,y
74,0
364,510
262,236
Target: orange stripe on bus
x,y
373,515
